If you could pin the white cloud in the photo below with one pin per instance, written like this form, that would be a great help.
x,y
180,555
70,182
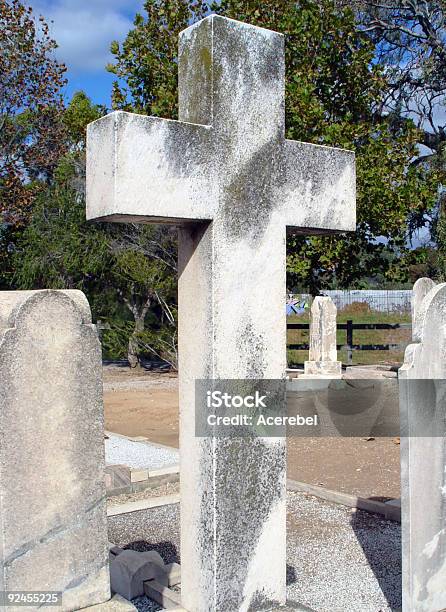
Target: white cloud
x,y
84,29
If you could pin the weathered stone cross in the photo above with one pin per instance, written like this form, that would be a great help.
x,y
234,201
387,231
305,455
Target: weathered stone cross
x,y
226,175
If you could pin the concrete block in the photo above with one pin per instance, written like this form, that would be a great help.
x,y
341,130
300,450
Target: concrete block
x,y
142,504
173,572
130,569
115,550
118,476
329,369
170,600
164,471
138,475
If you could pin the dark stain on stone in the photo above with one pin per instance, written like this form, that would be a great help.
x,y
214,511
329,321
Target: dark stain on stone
x,y
252,344
248,483
260,601
260,60
195,76
248,199
291,576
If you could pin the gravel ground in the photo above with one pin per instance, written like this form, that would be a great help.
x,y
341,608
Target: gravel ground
x,y
140,385
120,451
337,560
118,376
155,529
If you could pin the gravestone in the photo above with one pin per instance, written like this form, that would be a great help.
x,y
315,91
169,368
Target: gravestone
x,y
423,457
228,177
323,357
420,289
53,508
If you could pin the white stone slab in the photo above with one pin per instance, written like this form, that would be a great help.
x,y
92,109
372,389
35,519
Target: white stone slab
x,y
323,357
423,456
420,289
142,504
52,487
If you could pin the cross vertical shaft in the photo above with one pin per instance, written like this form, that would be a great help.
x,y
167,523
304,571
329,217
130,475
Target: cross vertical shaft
x,y
233,537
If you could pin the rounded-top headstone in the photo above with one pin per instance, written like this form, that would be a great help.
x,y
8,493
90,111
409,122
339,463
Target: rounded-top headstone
x,y
53,510
420,290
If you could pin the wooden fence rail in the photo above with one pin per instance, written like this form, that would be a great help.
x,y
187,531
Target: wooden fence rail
x,y
349,327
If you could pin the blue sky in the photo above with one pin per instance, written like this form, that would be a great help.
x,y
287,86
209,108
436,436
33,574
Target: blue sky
x,y
84,30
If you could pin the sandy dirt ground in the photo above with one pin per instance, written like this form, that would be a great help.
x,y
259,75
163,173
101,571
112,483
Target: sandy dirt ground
x,y
142,403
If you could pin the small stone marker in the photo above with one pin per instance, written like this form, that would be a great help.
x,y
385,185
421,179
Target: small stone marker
x,y
130,569
420,289
323,353
423,456
226,174
53,509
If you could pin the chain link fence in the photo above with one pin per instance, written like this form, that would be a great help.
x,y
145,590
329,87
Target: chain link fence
x,y
381,300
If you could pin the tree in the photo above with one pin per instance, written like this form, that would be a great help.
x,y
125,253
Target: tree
x,y
145,268
410,41
126,271
31,135
410,38
333,88
146,61
79,113
121,269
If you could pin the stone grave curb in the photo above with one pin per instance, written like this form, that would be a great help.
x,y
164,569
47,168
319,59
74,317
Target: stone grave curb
x,y
389,510
142,504
116,603
124,480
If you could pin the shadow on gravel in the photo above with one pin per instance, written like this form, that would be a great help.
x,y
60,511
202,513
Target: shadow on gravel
x,y
381,542
167,550
144,364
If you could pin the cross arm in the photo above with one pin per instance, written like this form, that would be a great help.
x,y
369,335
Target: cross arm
x,y
318,190
148,169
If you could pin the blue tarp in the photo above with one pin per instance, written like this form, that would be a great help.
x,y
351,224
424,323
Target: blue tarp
x,y
295,307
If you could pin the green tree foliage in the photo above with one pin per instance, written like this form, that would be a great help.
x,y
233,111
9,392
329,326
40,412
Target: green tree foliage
x,y
31,135
126,271
79,113
146,60
410,38
333,88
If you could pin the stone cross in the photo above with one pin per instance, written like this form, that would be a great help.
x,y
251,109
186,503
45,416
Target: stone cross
x,y
228,177
323,350
423,455
53,507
